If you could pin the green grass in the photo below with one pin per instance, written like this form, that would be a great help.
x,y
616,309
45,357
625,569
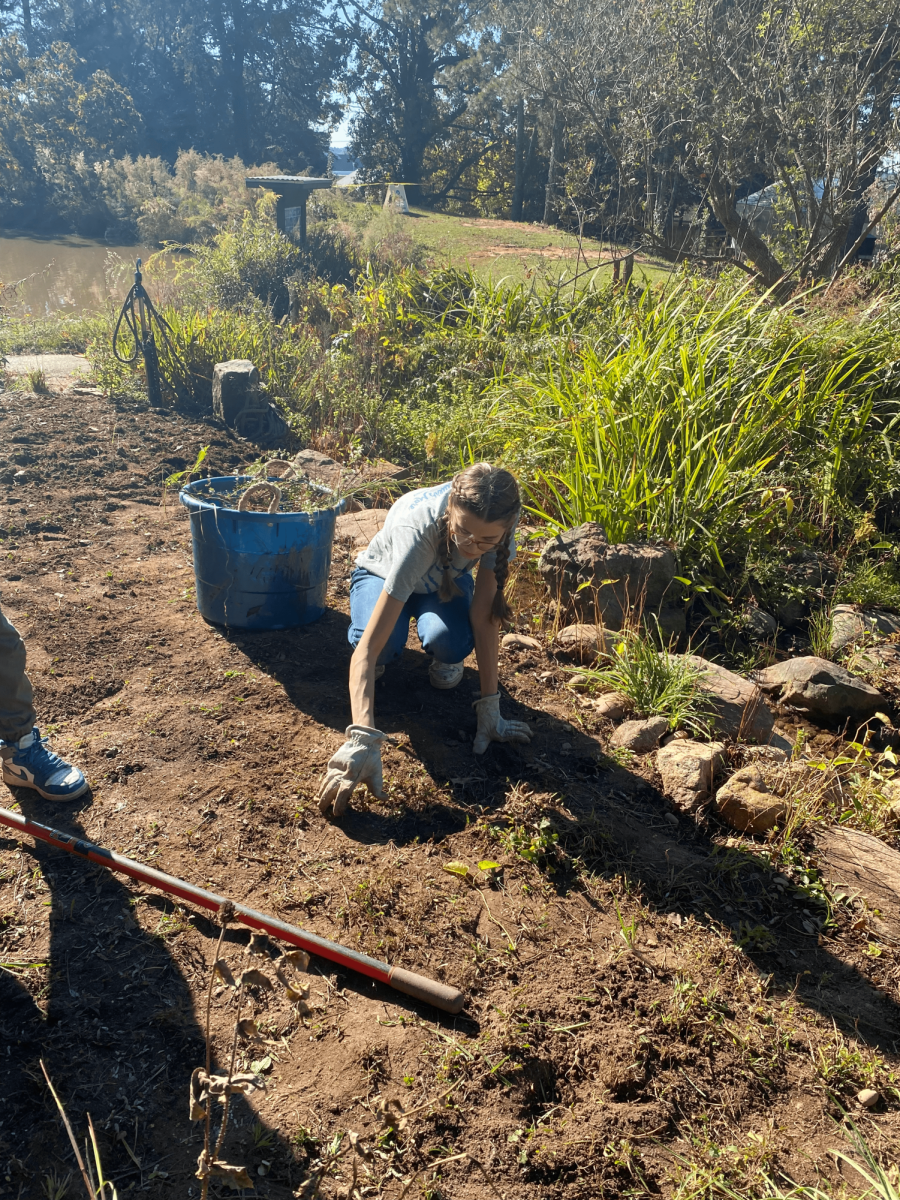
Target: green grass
x,y
657,685
515,252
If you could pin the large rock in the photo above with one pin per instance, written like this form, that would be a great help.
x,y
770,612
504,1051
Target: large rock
x,y
739,708
360,527
745,802
821,689
583,643
849,625
687,769
612,705
758,625
864,865
235,383
639,736
603,583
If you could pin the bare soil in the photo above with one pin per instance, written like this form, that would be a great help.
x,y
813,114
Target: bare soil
x,y
641,994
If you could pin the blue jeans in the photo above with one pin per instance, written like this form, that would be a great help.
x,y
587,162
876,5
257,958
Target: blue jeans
x,y
444,628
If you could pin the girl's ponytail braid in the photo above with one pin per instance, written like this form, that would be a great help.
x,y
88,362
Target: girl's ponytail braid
x,y
500,609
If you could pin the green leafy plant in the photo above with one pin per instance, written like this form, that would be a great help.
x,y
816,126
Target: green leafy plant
x,y
657,684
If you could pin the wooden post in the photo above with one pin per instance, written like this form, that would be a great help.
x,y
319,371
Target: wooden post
x,y
304,196
279,212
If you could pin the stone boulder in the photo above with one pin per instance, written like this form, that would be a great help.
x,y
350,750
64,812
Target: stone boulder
x,y
866,867
519,641
821,689
239,402
739,709
360,527
583,643
612,705
688,769
758,625
746,803
235,383
603,583
849,625
639,736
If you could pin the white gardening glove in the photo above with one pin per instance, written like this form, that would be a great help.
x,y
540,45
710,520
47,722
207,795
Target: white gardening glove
x,y
358,761
493,728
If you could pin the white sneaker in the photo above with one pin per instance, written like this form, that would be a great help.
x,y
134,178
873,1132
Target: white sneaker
x,y
445,675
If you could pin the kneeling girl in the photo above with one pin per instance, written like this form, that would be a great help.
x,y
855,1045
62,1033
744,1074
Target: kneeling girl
x,y
420,567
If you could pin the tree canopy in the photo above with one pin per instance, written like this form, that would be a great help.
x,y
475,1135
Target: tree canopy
x,y
649,124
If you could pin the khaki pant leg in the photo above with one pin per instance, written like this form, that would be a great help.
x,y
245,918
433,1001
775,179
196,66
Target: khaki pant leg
x,y
17,716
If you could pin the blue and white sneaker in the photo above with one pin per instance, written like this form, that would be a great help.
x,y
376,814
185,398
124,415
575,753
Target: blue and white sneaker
x,y
33,765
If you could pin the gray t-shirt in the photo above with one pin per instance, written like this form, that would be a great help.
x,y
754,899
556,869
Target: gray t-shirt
x,y
406,552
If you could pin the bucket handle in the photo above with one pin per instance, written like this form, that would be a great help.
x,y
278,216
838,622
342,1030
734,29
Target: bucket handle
x,y
282,462
260,493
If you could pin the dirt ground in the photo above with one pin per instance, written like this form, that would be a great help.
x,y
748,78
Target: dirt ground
x,y
648,1002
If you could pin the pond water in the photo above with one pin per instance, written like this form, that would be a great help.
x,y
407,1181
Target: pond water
x,y
65,274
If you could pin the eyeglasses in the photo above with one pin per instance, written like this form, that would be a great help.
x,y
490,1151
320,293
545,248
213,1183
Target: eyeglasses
x,y
462,537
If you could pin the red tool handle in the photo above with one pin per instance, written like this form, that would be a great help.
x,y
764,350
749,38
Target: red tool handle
x,y
419,986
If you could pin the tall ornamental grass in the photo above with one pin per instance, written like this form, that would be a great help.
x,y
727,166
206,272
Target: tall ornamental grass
x,y
705,424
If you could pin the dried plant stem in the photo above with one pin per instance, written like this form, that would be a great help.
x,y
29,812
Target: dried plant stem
x,y
62,1113
237,1021
496,921
208,1118
442,1162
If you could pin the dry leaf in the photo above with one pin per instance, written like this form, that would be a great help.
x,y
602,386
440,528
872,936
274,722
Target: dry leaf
x,y
223,971
198,1078
256,979
389,1119
235,1177
202,1171
219,1085
261,1064
360,1149
298,959
259,944
294,994
247,1029
459,869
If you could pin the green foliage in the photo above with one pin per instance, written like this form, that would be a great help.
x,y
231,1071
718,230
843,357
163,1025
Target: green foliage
x,y
820,633
657,684
535,842
57,333
703,418
249,259
871,584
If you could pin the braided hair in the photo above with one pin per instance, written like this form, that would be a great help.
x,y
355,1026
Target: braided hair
x,y
491,494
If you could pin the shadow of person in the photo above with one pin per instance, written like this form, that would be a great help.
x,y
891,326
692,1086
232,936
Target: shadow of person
x,y
616,824
114,1026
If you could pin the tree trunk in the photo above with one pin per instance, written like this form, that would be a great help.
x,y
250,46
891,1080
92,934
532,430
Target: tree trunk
x,y
519,188
750,244
555,141
29,29
238,86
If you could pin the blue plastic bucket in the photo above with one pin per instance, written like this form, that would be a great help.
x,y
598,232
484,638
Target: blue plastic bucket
x,y
257,570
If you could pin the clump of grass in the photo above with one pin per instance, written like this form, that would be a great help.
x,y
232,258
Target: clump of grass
x,y
657,684
820,633
870,584
36,380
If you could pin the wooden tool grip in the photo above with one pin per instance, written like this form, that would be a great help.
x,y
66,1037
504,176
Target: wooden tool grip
x,y
439,994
